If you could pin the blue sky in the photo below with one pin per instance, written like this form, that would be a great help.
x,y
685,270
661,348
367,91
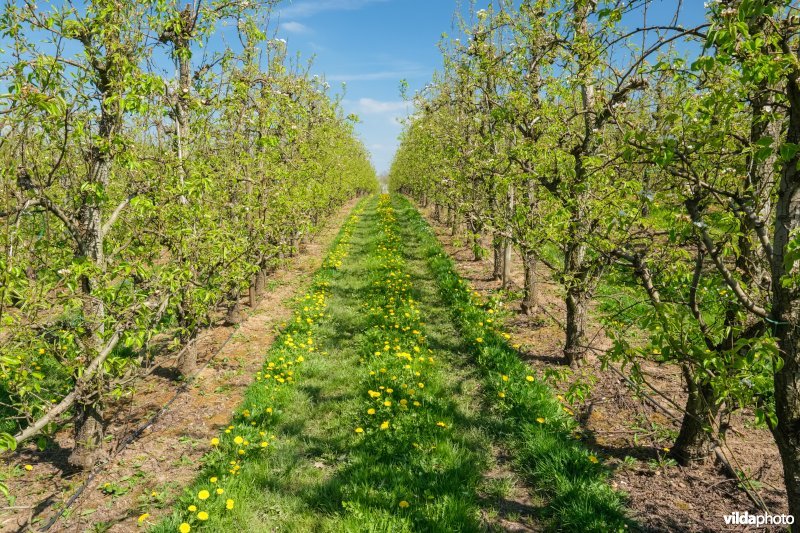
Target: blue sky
x,y
370,45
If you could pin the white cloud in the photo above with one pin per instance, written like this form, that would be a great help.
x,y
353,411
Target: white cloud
x,y
372,76
369,106
294,27
309,8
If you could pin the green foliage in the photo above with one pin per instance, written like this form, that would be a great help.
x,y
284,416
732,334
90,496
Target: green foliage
x,y
139,205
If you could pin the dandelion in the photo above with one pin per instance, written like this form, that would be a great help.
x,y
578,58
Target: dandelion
x,y
184,528
540,420
385,424
215,441
441,424
501,394
202,515
192,508
479,340
529,378
370,411
220,491
203,495
359,430
229,504
143,517
41,351
238,440
28,467
505,378
593,459
387,403
403,504
213,480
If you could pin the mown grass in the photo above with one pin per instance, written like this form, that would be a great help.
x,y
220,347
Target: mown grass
x,y
381,423
537,427
417,462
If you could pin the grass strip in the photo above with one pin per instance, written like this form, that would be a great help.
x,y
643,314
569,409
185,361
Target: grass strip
x,y
372,432
214,502
539,433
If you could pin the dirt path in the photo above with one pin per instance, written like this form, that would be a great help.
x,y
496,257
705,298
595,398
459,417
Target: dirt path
x,y
151,472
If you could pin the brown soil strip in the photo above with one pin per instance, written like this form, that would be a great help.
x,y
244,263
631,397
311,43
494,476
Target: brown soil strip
x,y
151,472
619,424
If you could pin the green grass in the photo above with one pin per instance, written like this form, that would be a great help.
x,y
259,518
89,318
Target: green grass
x,y
387,423
541,435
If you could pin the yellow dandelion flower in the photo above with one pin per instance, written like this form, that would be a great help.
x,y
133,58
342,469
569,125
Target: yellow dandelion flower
x,y
441,424
370,411
529,378
229,504
238,440
359,430
479,340
202,515
385,424
28,467
593,459
184,528
387,403
540,420
215,441
213,480
505,378
403,504
192,508
203,495
143,517
501,394
220,491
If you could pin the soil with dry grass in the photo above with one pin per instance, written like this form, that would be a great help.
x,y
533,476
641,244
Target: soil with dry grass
x,y
151,471
629,431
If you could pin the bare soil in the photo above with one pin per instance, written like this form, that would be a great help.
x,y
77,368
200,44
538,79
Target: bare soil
x,y
628,431
149,474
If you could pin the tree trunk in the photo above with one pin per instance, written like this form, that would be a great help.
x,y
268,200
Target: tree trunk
x,y
530,299
89,432
88,425
234,315
787,408
575,345
785,313
497,248
475,237
261,280
454,224
437,212
693,444
187,362
507,250
252,297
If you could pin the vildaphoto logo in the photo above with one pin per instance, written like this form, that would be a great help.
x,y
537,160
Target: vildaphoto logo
x,y
747,519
